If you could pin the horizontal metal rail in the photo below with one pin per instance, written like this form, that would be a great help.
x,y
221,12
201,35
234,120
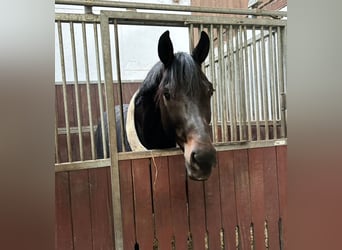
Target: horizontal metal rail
x,y
140,18
79,165
169,7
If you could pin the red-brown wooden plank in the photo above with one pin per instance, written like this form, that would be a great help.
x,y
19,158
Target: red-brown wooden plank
x,y
161,202
180,220
213,209
228,202
127,204
256,177
143,203
271,196
197,213
242,196
63,232
282,180
80,207
101,211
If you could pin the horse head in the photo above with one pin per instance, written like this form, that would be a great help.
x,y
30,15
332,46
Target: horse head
x,y
184,95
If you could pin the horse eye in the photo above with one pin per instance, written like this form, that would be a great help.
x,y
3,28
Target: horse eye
x,y
211,91
167,95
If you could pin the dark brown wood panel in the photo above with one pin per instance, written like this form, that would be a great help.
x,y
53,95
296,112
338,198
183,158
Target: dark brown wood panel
x,y
160,205
101,210
80,208
127,204
180,220
63,226
197,213
143,203
243,206
227,192
162,202
282,180
256,177
213,208
271,196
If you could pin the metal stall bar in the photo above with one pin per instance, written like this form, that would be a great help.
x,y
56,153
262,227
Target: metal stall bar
x,y
243,132
248,107
282,62
191,38
118,70
222,72
256,84
214,82
232,96
272,81
66,111
238,81
56,140
114,166
264,83
77,96
90,113
99,88
169,7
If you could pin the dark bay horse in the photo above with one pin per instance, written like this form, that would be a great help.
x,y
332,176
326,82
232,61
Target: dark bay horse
x,y
172,106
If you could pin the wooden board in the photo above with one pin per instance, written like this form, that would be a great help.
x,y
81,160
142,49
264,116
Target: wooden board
x,y
242,194
282,180
80,208
101,209
228,201
143,203
213,209
162,202
271,196
127,204
178,196
197,213
63,226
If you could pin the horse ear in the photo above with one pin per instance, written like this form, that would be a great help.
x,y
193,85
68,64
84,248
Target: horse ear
x,y
201,50
165,49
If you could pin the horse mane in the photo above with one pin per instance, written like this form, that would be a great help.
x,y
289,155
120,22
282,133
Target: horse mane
x,y
181,77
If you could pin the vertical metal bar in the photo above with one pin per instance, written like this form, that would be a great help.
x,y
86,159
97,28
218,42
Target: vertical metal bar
x,y
57,160
264,83
99,88
191,37
116,198
232,97
90,113
248,107
77,96
214,82
243,119
239,81
281,65
256,89
66,112
118,70
222,72
272,81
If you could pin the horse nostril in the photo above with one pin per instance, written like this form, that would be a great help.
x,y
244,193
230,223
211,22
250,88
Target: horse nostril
x,y
203,158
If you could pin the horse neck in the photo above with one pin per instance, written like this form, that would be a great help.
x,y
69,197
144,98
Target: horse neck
x,y
149,127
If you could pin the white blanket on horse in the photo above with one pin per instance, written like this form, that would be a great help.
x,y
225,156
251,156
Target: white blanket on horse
x,y
132,136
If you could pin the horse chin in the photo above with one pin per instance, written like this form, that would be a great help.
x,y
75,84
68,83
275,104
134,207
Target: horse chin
x,y
195,173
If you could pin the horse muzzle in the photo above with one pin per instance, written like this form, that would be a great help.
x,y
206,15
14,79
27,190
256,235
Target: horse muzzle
x,y
200,161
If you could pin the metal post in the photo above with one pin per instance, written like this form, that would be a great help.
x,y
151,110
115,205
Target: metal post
x,y
114,168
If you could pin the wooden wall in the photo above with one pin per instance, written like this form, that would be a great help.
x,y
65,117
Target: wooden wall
x,y
245,197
